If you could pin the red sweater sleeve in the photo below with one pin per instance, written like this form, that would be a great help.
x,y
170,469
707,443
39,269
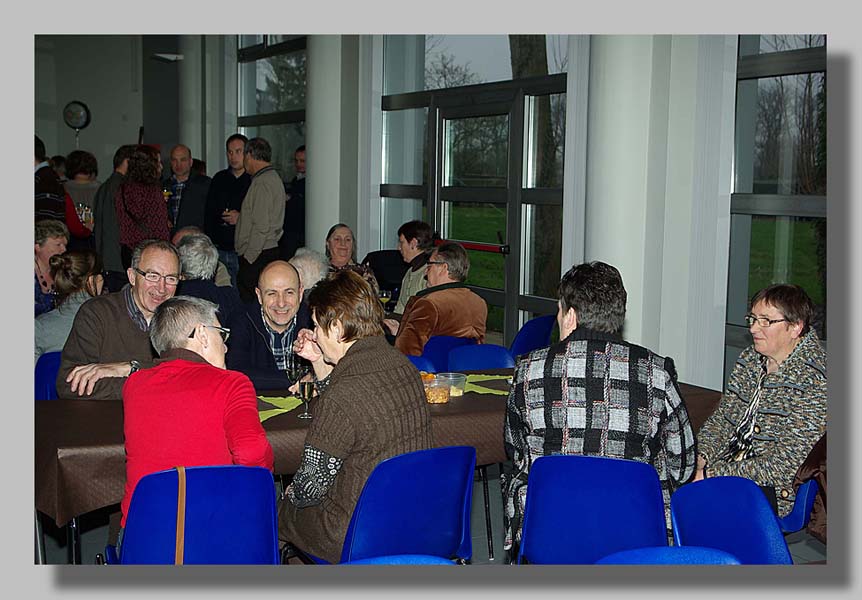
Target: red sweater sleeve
x,y
246,438
76,228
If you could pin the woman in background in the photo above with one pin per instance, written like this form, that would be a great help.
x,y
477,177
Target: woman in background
x,y
51,237
77,276
142,212
341,252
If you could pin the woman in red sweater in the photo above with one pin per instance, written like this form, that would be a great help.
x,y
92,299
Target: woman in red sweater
x,y
141,209
188,409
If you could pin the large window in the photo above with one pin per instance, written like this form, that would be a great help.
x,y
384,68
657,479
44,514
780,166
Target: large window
x,y
272,76
778,205
473,136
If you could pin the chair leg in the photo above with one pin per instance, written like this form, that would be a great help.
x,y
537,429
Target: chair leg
x,y
40,540
483,475
73,535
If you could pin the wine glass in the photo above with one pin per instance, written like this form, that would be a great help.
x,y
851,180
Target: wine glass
x,y
384,296
306,391
295,367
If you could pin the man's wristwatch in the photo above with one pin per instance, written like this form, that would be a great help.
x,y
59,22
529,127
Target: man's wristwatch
x,y
134,366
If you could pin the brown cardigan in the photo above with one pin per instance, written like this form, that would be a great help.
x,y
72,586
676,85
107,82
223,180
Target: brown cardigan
x,y
448,309
814,467
373,408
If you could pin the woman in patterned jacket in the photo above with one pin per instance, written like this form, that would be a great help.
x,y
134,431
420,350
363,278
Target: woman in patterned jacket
x,y
774,408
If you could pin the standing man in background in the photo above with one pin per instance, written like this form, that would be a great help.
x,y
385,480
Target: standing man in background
x,y
294,212
186,192
106,228
50,199
224,201
259,226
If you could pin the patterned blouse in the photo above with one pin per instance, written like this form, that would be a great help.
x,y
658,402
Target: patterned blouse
x,y
594,394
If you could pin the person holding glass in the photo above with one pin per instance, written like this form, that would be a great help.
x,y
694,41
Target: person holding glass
x,y
774,408
371,407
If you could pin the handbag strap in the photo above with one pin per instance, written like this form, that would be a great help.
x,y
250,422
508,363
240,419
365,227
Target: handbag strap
x,y
181,515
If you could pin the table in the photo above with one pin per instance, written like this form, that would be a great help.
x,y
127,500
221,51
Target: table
x,y
80,456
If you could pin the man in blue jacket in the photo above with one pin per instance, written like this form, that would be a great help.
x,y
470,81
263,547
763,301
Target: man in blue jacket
x,y
262,335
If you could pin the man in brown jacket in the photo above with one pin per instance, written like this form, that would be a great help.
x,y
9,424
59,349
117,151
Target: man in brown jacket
x,y
446,307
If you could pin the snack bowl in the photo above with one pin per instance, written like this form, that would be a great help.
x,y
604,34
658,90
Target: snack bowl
x,y
457,382
437,391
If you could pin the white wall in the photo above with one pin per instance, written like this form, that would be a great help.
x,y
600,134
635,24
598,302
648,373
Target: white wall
x,y
102,71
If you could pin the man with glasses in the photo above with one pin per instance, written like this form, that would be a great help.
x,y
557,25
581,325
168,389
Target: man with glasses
x,y
188,409
109,339
446,307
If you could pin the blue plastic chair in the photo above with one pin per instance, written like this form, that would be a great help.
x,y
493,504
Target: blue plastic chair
x,y
582,508
230,518
800,515
535,334
422,363
413,503
670,555
437,350
477,357
730,514
402,559
47,368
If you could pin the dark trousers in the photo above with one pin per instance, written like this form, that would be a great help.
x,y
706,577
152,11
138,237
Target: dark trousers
x,y
246,278
115,280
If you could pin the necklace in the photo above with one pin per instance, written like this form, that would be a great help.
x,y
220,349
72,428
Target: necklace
x,y
42,281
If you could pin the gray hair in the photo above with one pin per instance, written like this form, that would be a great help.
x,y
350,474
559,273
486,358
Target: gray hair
x,y
175,318
311,265
152,243
259,149
198,256
50,228
455,257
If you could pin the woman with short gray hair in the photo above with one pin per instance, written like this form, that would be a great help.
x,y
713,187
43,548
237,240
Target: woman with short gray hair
x,y
198,262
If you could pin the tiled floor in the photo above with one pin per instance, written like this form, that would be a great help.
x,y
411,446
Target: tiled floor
x,y
94,528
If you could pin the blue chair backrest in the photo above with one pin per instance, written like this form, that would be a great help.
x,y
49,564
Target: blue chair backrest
x,y
230,518
670,555
801,513
535,334
480,356
415,503
402,559
422,363
730,514
437,350
47,368
582,508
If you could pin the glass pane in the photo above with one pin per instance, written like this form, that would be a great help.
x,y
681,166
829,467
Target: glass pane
x,y
474,222
781,135
394,213
777,250
250,40
541,238
284,139
272,84
476,151
487,269
404,146
494,326
413,63
271,40
544,133
766,44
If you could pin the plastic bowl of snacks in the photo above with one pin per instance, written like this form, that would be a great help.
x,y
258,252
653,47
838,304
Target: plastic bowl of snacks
x,y
437,391
457,382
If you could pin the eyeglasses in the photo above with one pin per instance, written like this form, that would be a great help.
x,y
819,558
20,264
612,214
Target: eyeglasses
x,y
154,277
224,332
762,321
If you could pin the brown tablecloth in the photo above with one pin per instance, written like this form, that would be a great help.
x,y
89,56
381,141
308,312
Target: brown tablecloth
x,y
80,457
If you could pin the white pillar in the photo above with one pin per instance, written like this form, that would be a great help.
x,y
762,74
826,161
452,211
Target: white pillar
x,y
658,188
323,138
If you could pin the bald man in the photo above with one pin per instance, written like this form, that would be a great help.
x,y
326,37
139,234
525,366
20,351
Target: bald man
x,y
262,334
187,192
